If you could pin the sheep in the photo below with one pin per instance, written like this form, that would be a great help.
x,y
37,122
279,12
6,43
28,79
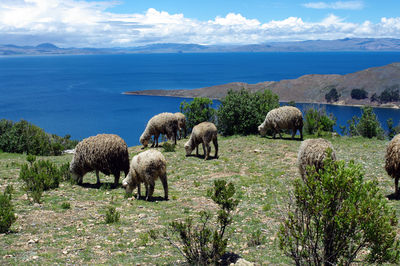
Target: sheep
x,y
204,133
285,117
145,168
392,158
106,153
164,123
313,152
181,124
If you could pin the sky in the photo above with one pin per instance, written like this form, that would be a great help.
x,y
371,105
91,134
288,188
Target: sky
x,y
128,23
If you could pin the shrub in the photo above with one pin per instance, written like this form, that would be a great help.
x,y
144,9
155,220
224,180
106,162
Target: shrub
x,y
256,238
20,137
374,98
359,94
332,95
66,205
241,112
392,130
197,111
203,244
39,176
367,126
65,173
168,147
317,121
7,215
390,95
336,217
112,215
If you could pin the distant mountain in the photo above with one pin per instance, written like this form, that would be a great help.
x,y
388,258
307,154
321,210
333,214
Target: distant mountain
x,y
307,88
348,44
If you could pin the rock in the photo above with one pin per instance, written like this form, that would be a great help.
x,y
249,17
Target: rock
x,y
7,256
242,262
257,151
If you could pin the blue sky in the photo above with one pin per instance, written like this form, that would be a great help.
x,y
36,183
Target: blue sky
x,y
123,23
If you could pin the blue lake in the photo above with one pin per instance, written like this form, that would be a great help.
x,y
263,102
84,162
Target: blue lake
x,y
82,95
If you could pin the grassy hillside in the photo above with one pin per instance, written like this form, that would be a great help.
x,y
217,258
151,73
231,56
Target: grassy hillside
x,y
262,170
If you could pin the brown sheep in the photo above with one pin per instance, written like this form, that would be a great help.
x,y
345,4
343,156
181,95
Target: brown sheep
x,y
181,124
106,153
313,152
285,117
203,133
392,159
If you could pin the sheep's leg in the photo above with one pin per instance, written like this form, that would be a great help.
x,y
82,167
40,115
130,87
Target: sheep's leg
x,y
156,139
396,186
215,141
280,135
98,177
294,130
138,191
116,178
274,134
208,149
197,150
165,186
151,191
147,190
204,148
301,133
175,137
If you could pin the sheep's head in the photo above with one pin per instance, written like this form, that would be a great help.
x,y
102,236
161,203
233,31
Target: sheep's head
x,y
263,129
129,183
75,171
144,140
188,148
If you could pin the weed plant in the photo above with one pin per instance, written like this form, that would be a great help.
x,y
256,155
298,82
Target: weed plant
x,y
7,215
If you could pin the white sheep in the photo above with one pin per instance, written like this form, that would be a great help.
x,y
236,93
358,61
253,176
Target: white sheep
x,y
285,117
106,153
313,152
145,168
203,133
392,161
164,123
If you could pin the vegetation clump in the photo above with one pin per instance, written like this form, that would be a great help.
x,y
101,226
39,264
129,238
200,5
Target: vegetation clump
x,y
337,218
7,215
203,244
112,215
197,111
241,111
332,95
24,137
358,94
367,126
317,121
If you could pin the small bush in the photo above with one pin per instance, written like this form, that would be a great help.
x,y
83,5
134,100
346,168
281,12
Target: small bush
x,y
358,94
390,95
203,244
336,216
256,238
168,147
317,121
7,215
367,126
39,176
197,111
241,112
112,215
66,205
332,95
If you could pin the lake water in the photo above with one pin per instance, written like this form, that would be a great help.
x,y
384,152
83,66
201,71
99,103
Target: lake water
x,y
81,95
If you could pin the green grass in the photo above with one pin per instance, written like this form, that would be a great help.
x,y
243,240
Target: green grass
x,y
262,170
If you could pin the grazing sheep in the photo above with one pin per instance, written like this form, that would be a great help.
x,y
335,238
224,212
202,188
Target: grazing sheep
x,y
285,117
313,152
106,153
203,133
392,164
181,124
145,168
164,123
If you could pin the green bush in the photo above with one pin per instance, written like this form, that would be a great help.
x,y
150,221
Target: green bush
x,y
241,112
358,94
7,215
24,137
168,147
367,126
203,244
390,95
317,121
39,176
197,111
332,95
66,205
337,216
112,215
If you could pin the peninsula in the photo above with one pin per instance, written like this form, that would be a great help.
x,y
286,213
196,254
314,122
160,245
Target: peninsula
x,y
308,88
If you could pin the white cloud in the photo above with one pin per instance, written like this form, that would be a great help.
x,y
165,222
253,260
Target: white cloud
x,y
72,23
350,5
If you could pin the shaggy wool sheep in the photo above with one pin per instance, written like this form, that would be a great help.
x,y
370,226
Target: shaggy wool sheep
x,y
106,153
285,117
181,124
203,133
145,168
313,152
392,159
164,123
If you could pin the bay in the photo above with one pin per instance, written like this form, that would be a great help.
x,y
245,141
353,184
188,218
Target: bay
x,y
81,95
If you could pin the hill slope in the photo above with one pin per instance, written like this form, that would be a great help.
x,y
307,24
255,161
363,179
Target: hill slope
x,y
308,88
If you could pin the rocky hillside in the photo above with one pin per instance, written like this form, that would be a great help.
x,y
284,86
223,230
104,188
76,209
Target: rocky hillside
x,y
307,88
